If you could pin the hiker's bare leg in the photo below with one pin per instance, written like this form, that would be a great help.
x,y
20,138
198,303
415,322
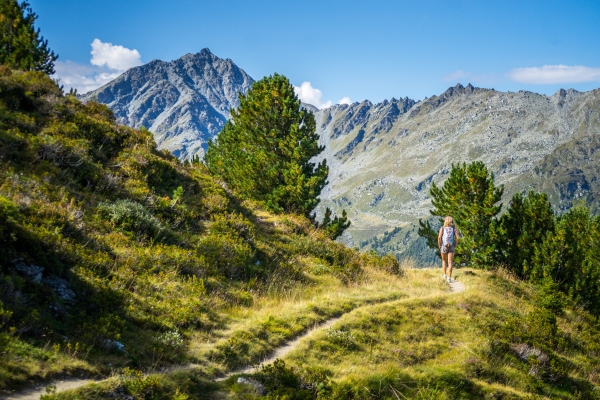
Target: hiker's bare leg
x,y
444,258
450,257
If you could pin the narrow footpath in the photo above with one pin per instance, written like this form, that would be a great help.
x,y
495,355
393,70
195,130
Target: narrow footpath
x,y
34,393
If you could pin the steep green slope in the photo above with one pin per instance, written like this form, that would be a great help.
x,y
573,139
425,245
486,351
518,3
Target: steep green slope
x,y
113,253
117,260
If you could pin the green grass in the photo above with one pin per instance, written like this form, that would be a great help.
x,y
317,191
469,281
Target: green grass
x,y
160,256
413,339
168,262
456,346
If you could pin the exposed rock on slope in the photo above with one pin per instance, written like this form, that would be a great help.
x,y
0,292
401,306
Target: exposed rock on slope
x,y
383,157
184,102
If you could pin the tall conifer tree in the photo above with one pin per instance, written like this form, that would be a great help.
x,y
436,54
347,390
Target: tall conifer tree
x,y
569,256
469,195
520,229
264,151
21,46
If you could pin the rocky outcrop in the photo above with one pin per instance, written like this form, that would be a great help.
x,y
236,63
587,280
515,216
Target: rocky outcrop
x,y
61,287
184,103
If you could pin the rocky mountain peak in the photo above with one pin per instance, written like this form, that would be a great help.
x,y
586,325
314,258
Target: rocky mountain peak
x,y
562,97
458,90
184,102
452,93
206,52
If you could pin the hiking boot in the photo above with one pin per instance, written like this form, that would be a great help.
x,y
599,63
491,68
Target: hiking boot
x,y
445,276
449,280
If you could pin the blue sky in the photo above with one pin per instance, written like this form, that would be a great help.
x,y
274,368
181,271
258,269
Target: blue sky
x,y
346,49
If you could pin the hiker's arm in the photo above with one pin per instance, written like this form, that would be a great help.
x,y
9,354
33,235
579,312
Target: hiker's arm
x,y
457,237
440,237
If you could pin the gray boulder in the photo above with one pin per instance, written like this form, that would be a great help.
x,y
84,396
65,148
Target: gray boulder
x,y
61,287
30,271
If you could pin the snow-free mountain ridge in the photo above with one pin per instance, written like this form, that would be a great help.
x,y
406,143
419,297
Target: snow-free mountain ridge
x,y
184,102
383,157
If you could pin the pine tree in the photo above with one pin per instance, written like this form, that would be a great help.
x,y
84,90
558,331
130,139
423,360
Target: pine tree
x,y
469,196
569,256
264,151
336,227
21,46
326,218
524,225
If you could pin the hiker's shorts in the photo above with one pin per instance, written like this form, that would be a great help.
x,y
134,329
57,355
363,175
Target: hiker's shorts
x,y
446,250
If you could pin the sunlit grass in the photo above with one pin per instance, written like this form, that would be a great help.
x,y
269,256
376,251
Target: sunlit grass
x,y
404,337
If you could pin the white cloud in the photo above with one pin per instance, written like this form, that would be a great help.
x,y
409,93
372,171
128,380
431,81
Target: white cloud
x,y
108,62
555,74
311,95
114,57
345,100
82,77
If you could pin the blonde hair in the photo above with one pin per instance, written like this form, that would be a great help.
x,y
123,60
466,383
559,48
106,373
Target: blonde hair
x,y
449,221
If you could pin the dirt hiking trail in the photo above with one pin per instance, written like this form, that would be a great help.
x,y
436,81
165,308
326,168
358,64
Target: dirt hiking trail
x,y
34,393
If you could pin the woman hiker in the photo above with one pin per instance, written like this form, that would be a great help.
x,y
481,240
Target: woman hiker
x,y
448,240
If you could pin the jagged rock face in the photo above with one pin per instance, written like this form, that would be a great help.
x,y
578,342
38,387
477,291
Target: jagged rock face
x,y
184,102
383,157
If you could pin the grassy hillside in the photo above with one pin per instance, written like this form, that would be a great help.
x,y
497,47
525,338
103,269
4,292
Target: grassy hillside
x,y
115,254
499,339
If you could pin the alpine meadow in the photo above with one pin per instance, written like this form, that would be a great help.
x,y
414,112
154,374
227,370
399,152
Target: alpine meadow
x,y
217,261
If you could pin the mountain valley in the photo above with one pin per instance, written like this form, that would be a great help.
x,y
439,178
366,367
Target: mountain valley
x,y
383,157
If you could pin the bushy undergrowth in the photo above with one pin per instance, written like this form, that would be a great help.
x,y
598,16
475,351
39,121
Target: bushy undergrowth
x,y
131,217
111,244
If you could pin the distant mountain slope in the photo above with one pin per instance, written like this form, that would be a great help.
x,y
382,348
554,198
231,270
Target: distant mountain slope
x,y
383,157
184,102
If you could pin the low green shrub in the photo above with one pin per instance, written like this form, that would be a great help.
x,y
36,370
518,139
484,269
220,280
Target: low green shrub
x,y
227,255
341,338
170,340
132,217
138,384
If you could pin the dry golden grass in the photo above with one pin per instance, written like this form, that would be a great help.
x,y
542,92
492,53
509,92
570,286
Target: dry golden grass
x,y
408,337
